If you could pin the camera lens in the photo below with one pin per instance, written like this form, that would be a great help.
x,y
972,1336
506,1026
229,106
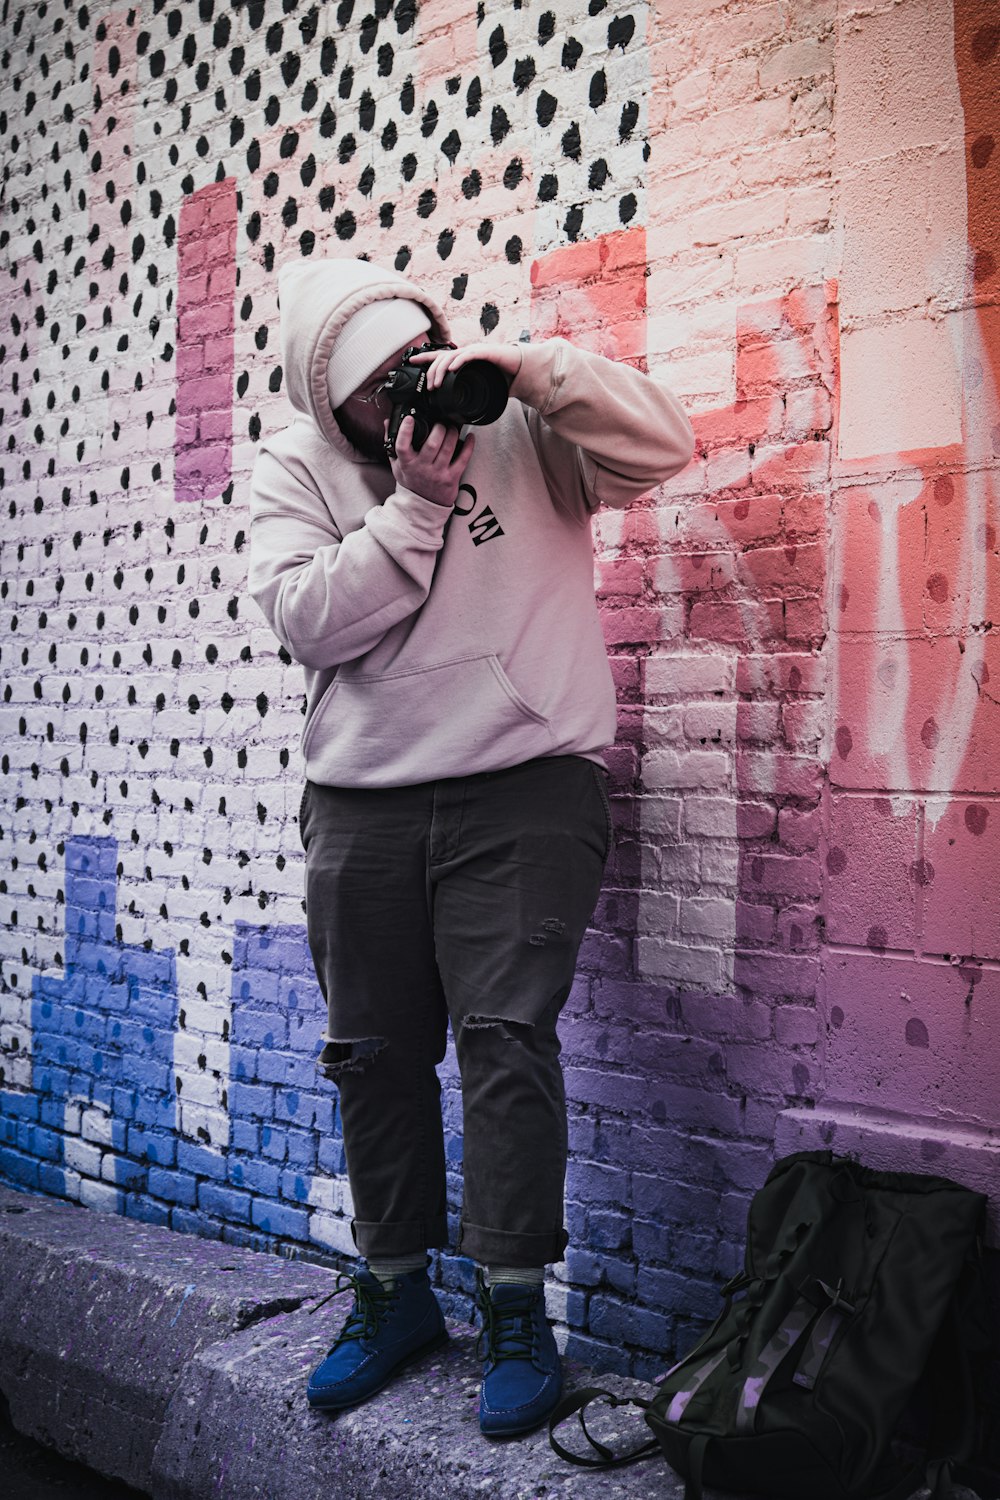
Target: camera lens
x,y
475,394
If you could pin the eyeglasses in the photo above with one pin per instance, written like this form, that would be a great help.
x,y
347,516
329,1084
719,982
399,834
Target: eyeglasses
x,y
367,400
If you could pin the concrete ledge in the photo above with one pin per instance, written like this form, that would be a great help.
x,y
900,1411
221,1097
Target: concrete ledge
x,y
179,1364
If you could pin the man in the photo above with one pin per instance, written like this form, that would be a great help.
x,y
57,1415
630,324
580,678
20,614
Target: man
x,y
455,816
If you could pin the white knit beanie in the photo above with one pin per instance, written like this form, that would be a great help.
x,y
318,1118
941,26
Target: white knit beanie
x,y
368,339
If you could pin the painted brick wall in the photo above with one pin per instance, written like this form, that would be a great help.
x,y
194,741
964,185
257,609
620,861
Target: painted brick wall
x,y
785,209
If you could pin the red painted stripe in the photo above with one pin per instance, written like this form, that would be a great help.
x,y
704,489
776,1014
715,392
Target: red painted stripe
x,y
206,288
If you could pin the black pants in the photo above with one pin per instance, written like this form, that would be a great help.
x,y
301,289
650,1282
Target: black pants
x,y
466,899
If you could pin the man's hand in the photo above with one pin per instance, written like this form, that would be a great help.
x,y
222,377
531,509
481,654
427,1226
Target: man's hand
x,y
435,472
506,357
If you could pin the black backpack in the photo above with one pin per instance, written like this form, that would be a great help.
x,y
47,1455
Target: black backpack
x,y
855,1283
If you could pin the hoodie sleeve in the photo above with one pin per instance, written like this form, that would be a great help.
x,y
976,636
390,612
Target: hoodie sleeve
x,y
604,432
330,598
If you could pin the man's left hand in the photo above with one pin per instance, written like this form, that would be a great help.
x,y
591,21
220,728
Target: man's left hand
x,y
439,362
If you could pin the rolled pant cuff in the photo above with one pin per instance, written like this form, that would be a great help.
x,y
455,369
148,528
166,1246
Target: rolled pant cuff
x,y
501,1247
404,1238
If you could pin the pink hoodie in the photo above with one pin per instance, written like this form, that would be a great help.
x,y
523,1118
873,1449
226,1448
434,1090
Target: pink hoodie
x,y
441,643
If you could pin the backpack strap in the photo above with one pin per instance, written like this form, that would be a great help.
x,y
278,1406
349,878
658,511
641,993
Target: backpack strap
x,y
577,1401
697,1449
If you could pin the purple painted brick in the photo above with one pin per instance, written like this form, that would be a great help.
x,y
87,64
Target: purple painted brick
x,y
224,1203
603,1358
174,1187
152,1146
138,1206
257,1176
187,1222
683,1295
201,1161
609,1231
278,1219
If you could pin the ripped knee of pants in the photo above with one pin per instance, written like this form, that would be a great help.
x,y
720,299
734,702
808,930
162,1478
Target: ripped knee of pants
x,y
514,1031
338,1058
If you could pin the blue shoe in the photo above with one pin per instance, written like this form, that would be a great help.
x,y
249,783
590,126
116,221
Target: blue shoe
x,y
522,1377
384,1331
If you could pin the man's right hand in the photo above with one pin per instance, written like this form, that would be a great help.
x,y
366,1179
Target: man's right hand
x,y
435,472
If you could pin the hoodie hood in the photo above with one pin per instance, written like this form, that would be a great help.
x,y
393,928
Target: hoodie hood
x,y
316,299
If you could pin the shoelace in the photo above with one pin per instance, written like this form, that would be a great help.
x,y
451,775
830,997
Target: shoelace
x,y
371,1303
507,1331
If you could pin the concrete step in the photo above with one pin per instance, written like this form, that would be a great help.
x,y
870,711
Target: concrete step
x,y
179,1366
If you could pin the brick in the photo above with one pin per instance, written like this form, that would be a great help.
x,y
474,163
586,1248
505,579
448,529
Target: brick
x,y
224,1203
101,1196
174,1187
279,1219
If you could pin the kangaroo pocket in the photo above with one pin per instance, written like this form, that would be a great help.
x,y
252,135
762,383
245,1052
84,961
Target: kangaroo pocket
x,y
452,719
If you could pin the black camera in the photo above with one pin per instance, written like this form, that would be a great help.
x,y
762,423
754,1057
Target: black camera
x,y
474,395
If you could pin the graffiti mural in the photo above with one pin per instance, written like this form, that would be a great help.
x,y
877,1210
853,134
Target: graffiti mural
x,y
788,213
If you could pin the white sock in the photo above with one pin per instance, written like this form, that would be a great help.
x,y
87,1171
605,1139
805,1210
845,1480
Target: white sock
x,y
399,1265
515,1275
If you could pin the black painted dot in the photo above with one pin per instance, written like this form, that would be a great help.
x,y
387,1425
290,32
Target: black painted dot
x,y
328,56
545,108
513,173
458,287
327,122
571,142
574,222
346,83
571,53
489,318
620,32
390,135
474,98
366,181
514,249
402,260
407,97
627,208
598,89
386,57
289,144
485,232
446,243
472,184
346,149
548,188
408,167
366,111
524,73
386,215
451,146
327,197
369,30
629,119
498,47
307,171
345,224
426,203
499,124
290,65
598,174
546,27
428,124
